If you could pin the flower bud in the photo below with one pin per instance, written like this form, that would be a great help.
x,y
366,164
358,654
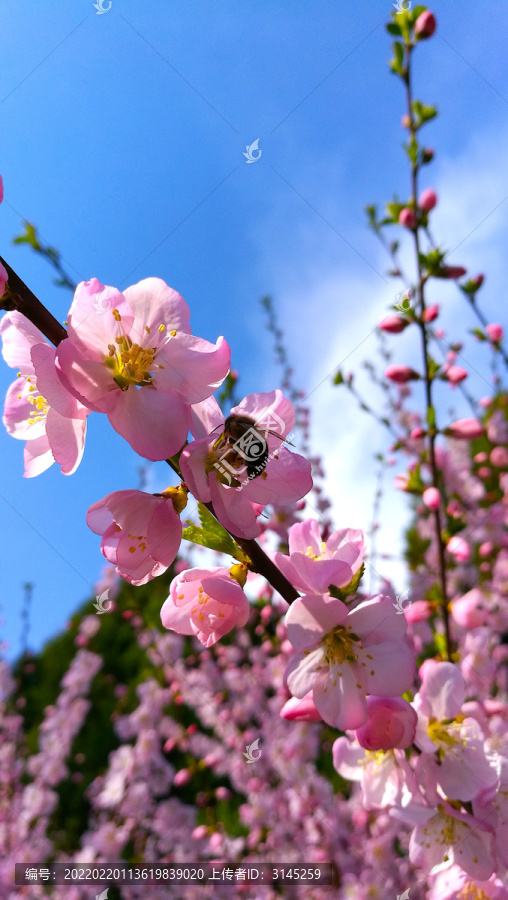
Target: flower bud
x,y
477,281
417,433
431,498
407,217
452,271
391,724
3,278
428,200
499,457
406,121
456,374
430,313
494,332
465,428
427,154
458,548
425,25
300,710
469,610
401,374
393,324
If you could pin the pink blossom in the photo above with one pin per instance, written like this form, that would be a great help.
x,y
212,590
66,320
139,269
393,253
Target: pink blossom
x,y
342,654
3,279
469,611
216,465
432,498
465,428
417,433
407,217
458,548
401,481
401,374
141,533
425,24
303,710
391,724
448,837
428,200
430,313
37,408
313,564
133,357
494,332
393,324
499,457
418,611
205,602
477,281
456,374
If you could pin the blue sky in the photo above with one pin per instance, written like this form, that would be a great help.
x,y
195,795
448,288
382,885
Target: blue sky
x,y
122,141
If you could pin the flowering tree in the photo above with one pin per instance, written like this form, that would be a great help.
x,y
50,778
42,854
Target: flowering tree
x,y
376,730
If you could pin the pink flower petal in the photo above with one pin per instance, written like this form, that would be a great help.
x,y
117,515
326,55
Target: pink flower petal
x,y
311,617
340,701
155,424
234,511
38,456
67,440
154,304
191,367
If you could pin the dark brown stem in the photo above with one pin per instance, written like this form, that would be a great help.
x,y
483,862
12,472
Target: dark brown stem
x,y
432,430
18,296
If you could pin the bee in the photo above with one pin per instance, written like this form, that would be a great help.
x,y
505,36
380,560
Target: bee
x,y
244,445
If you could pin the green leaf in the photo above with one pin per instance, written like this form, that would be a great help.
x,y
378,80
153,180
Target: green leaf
x,y
223,544
479,334
397,63
431,417
29,237
434,367
394,28
339,378
349,589
209,523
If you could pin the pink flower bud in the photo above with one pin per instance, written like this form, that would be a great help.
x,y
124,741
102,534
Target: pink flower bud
x,y
401,374
401,482
469,610
499,457
484,402
456,374
458,548
407,217
484,472
432,498
465,428
431,313
391,724
183,776
428,200
486,549
425,25
406,121
418,611
3,277
427,154
222,793
393,324
453,271
417,433
494,332
481,457
200,832
300,710
477,280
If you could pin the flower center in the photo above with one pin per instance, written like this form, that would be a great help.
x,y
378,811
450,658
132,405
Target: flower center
x,y
40,404
141,543
445,734
338,646
132,363
310,552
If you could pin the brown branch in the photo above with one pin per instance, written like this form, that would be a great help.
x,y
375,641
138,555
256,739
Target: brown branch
x,y
18,296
